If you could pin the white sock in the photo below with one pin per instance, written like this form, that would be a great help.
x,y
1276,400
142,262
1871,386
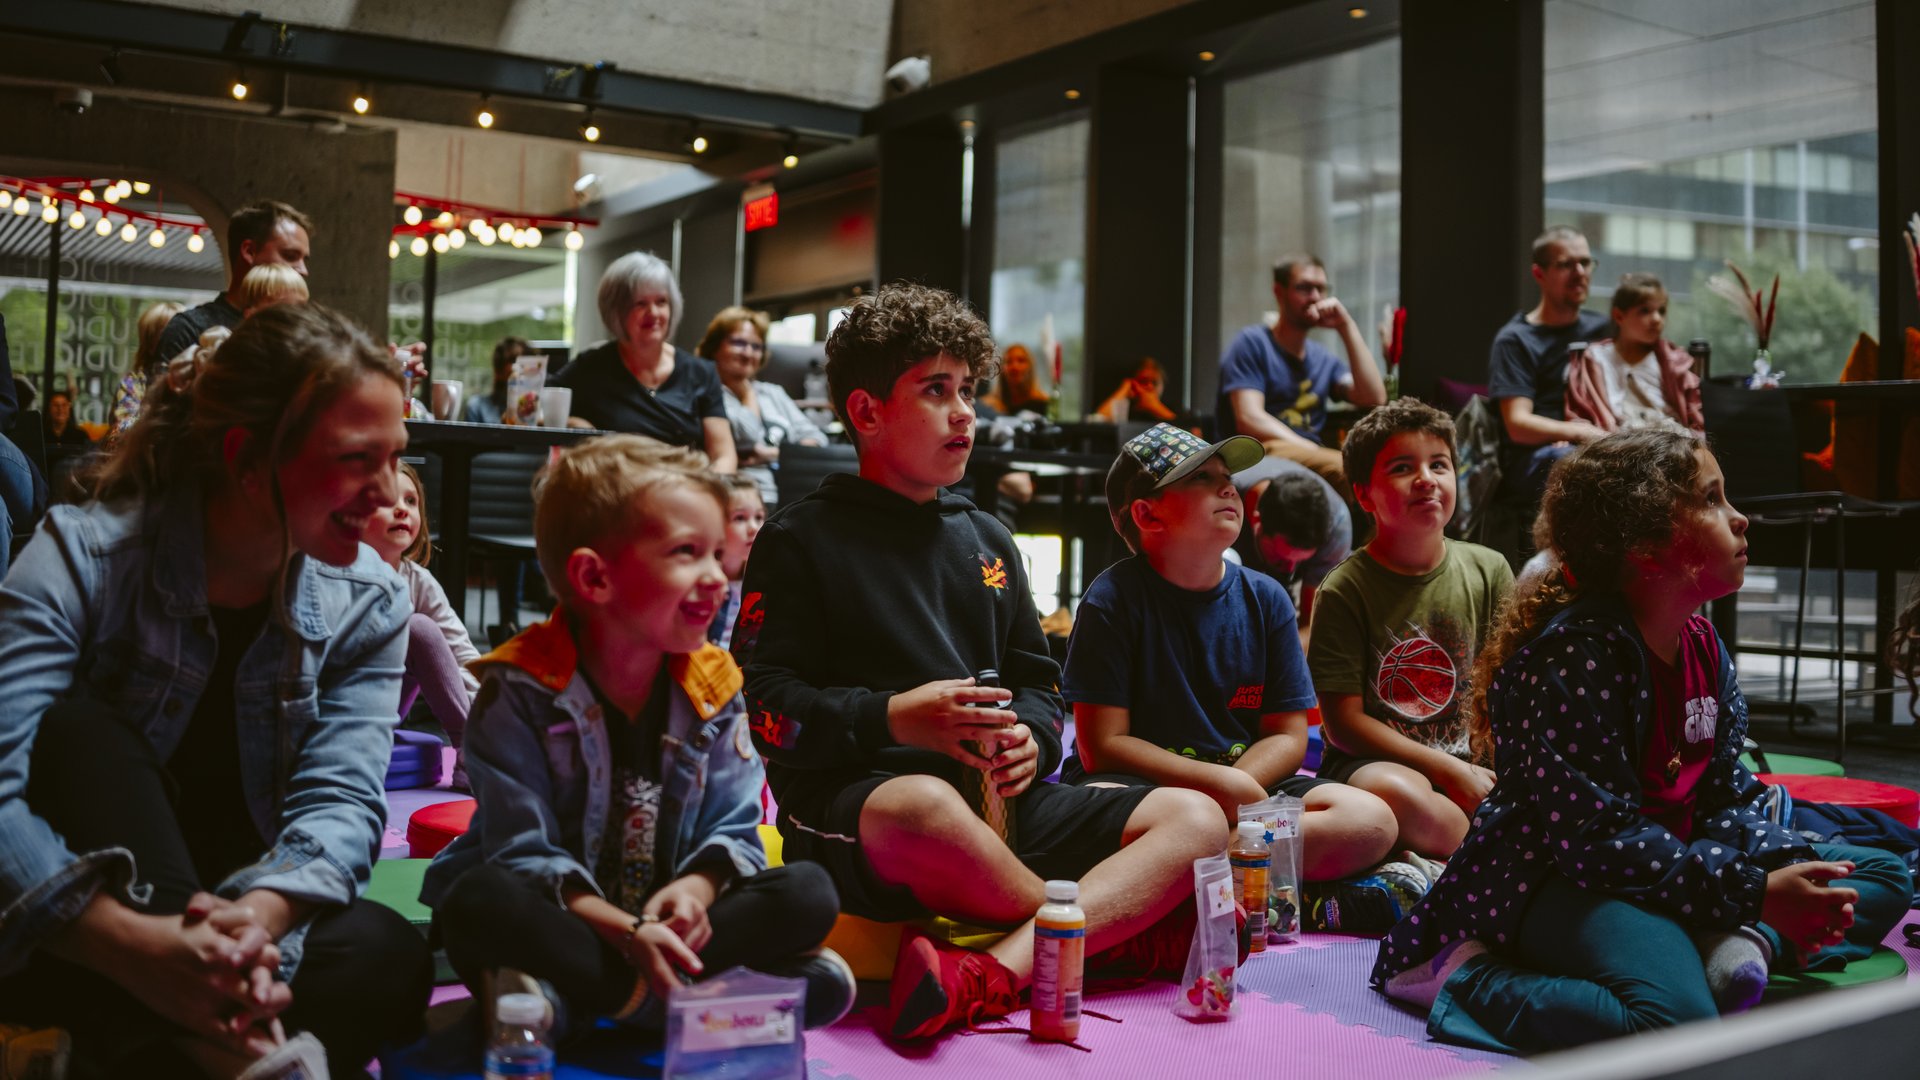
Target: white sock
x,y
1736,963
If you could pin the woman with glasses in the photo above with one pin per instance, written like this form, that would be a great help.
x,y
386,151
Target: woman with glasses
x,y
763,417
639,383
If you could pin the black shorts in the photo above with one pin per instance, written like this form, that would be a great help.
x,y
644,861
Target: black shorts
x,y
1295,785
1337,764
1060,832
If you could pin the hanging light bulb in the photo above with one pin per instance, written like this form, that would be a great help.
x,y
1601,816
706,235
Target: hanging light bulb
x,y
574,240
393,249
485,116
589,130
78,220
129,232
476,225
700,144
445,220
111,193
157,238
86,195
49,214
6,198
141,187
126,189
456,239
487,237
361,102
418,246
240,89
196,243
440,243
533,236
792,159
505,231
20,206
103,227
411,215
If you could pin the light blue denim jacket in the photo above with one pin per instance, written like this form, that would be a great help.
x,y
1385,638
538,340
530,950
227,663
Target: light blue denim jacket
x,y
109,603
538,757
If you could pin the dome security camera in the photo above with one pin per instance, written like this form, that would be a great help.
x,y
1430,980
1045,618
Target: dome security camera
x,y
73,99
913,73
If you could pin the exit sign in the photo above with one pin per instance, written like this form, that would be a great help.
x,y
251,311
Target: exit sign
x,y
762,212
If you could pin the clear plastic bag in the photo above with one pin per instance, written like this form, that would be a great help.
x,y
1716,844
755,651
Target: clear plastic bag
x,y
524,383
738,1025
1206,990
1281,816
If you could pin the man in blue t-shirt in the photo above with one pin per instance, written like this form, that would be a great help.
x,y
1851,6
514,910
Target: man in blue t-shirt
x,y
1185,670
1527,373
1275,384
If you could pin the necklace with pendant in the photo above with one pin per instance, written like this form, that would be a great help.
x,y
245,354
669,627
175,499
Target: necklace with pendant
x,y
1673,768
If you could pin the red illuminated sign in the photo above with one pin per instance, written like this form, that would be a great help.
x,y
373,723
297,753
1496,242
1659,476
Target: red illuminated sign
x,y
763,212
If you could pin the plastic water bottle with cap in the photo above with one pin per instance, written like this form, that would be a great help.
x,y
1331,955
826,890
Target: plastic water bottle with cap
x,y
518,1049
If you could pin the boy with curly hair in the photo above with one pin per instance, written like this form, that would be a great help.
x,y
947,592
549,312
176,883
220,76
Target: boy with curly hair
x,y
870,607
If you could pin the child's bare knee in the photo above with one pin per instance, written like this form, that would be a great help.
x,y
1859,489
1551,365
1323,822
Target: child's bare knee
x,y
915,800
1188,812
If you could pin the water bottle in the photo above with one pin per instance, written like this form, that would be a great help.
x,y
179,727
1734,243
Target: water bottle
x,y
1702,352
1059,957
519,1050
979,790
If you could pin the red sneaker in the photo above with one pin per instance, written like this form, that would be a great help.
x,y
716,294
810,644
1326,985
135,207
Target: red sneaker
x,y
1160,951
938,986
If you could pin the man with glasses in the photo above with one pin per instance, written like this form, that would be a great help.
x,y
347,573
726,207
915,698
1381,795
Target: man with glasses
x,y
1275,383
1527,376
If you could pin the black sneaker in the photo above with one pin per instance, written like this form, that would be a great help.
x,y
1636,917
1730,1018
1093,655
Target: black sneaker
x,y
1368,904
830,984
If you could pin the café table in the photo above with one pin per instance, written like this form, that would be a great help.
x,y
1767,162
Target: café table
x,y
456,444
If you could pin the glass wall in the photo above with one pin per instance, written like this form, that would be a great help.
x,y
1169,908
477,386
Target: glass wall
x,y
484,294
1040,249
1679,136
1311,162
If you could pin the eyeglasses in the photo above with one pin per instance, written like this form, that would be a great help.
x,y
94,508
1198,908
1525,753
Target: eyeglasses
x,y
1573,264
747,345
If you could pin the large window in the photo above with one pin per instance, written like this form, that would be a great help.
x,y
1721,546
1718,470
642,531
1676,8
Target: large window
x,y
1679,136
1312,163
484,294
1040,249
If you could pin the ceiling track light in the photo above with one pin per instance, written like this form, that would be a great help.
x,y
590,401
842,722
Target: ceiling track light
x,y
589,130
240,89
792,156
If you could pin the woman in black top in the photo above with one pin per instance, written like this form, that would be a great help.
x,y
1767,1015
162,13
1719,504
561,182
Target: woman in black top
x,y
638,382
61,428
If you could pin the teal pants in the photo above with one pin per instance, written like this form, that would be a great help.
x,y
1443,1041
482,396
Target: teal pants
x,y
1585,967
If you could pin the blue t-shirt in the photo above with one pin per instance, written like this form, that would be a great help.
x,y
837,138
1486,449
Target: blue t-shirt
x,y
1196,670
1296,387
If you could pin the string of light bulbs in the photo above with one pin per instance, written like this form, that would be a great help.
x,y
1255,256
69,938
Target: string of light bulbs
x,y
430,223
56,193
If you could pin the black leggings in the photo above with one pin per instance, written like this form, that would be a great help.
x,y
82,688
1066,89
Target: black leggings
x,y
491,918
364,973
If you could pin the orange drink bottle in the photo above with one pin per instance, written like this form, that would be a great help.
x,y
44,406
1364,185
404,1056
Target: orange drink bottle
x,y
1251,863
1059,957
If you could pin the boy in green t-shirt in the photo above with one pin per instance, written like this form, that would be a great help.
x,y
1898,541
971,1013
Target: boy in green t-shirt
x,y
1396,628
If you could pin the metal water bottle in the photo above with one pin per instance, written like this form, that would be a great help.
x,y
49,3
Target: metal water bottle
x,y
979,789
1702,352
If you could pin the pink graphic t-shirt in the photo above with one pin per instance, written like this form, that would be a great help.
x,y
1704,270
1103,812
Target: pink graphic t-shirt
x,y
1686,698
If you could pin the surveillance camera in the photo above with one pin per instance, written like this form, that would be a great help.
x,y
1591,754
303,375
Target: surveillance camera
x,y
73,99
913,73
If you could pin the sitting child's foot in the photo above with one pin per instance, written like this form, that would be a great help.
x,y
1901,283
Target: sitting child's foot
x,y
936,987
830,984
1160,951
1420,986
1369,903
1736,965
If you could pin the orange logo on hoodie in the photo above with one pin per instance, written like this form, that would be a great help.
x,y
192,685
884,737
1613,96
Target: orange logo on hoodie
x,y
993,574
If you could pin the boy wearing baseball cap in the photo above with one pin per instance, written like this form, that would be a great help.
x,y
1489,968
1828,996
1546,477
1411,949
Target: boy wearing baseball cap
x,y
1185,669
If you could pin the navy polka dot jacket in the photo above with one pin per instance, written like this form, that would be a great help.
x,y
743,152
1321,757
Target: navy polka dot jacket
x,y
1571,712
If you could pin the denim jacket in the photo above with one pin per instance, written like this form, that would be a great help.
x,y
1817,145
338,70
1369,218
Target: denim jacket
x,y
538,757
108,603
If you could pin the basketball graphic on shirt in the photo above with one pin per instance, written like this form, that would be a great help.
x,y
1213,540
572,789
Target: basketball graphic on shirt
x,y
1416,678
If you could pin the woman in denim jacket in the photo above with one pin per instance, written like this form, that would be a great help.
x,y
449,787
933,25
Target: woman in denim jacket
x,y
202,673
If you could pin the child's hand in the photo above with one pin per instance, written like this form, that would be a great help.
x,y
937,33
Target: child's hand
x,y
1805,909
659,954
1014,766
1233,789
1466,784
681,906
943,714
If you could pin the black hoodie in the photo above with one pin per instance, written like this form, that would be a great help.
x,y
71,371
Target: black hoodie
x,y
856,593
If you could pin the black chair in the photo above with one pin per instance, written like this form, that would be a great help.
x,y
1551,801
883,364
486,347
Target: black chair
x,y
500,516
1753,439
802,468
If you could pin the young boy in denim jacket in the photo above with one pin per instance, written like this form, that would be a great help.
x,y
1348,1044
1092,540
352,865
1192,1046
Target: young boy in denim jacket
x,y
871,606
1185,669
614,853
1396,628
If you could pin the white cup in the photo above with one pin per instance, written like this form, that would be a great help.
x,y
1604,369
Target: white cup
x,y
446,398
556,403
1122,408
